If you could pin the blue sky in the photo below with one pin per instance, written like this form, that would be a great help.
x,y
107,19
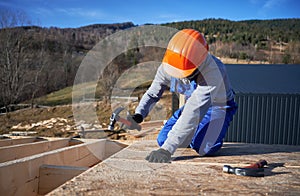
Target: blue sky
x,y
76,13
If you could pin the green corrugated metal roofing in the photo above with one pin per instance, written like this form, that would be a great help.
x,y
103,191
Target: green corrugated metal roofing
x,y
249,78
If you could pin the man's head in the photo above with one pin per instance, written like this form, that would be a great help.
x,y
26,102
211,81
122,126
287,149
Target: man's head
x,y
186,51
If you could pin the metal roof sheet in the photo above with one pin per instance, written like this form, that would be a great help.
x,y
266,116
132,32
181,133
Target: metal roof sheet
x,y
264,78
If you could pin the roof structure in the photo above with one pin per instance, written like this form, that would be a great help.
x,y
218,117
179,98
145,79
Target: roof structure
x,y
128,173
60,166
264,78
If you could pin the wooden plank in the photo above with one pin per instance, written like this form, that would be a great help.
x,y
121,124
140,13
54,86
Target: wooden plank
x,y
128,173
10,142
74,141
152,124
113,147
52,176
139,134
20,177
14,152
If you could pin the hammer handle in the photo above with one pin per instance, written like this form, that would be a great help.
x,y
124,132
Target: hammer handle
x,y
124,121
259,164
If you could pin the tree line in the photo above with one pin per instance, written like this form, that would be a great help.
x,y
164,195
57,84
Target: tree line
x,y
273,41
245,32
35,61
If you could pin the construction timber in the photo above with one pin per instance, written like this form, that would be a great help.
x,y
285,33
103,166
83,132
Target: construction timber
x,y
64,166
36,166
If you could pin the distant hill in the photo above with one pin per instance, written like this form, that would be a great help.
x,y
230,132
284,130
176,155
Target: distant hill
x,y
274,41
245,32
82,38
36,61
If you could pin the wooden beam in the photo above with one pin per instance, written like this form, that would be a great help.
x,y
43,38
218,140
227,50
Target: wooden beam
x,y
74,141
21,176
10,142
178,101
52,176
181,100
152,124
14,152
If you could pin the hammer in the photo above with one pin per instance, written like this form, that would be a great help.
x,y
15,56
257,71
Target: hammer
x,y
131,124
254,170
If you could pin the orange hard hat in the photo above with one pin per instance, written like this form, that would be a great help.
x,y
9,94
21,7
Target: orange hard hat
x,y
186,50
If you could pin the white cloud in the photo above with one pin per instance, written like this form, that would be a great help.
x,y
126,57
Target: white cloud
x,y
94,14
73,12
169,17
269,6
272,3
41,11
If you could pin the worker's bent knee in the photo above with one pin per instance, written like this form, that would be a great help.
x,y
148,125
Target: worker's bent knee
x,y
209,151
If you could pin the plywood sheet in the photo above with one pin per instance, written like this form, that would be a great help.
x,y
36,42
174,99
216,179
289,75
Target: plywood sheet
x,y
127,173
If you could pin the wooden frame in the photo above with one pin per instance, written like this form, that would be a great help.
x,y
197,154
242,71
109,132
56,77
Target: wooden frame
x,y
22,176
10,142
14,152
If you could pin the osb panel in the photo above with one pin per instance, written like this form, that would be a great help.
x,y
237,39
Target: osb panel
x,y
127,173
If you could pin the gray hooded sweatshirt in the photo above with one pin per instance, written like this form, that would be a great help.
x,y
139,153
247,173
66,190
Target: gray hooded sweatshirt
x,y
212,90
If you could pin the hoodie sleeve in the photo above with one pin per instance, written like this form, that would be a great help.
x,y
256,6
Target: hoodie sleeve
x,y
194,110
154,93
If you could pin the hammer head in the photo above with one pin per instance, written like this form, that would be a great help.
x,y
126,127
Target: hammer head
x,y
114,118
129,122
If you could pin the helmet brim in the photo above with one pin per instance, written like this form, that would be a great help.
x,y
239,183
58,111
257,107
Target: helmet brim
x,y
177,73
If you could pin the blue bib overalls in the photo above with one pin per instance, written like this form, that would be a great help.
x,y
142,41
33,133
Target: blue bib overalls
x,y
195,142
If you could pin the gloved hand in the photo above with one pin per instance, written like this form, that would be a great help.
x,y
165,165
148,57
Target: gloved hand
x,y
137,118
159,156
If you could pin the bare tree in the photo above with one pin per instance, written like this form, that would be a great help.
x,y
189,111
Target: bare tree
x,y
67,62
13,18
38,80
13,58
